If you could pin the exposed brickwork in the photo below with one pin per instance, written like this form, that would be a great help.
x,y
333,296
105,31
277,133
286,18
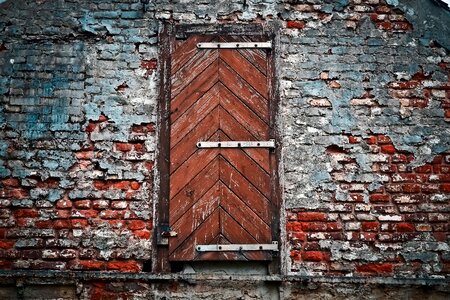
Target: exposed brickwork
x,y
372,230
365,105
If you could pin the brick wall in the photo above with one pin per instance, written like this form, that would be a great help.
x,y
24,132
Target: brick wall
x,y
364,114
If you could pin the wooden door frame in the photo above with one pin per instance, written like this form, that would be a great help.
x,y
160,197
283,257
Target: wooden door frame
x,y
167,36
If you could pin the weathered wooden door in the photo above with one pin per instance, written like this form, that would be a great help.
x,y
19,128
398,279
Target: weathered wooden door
x,y
219,195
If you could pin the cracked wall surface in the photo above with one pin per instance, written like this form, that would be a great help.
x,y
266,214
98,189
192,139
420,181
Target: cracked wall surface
x,y
364,127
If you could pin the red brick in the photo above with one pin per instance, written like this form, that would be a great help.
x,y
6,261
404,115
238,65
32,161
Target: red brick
x,y
315,256
383,9
411,188
369,236
406,227
89,265
388,149
423,169
124,147
380,198
295,255
404,26
124,266
5,264
314,226
149,64
140,148
6,244
122,185
143,234
112,214
135,185
143,128
372,140
385,25
311,216
383,139
87,213
357,197
44,224
136,224
295,24
353,140
84,154
311,246
375,268
370,226
82,204
11,182
149,165
396,158
334,226
447,113
445,188
63,213
90,127
79,223
102,118
102,185
59,224
26,213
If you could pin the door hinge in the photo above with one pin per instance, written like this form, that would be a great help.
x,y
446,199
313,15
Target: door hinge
x,y
236,45
163,233
237,247
237,144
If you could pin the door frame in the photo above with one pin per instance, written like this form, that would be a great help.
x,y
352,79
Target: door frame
x,y
167,35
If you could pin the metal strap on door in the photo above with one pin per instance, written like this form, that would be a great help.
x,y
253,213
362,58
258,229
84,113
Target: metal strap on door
x,y
237,144
237,247
241,45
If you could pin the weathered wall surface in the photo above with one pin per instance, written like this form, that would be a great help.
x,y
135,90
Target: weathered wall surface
x,y
365,106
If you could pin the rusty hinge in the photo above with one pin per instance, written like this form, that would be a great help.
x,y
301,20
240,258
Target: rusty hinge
x,y
163,233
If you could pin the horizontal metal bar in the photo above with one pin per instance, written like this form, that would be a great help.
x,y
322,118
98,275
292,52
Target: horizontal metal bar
x,y
237,144
250,45
237,247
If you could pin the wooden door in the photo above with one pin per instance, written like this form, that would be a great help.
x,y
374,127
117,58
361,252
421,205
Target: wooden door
x,y
219,195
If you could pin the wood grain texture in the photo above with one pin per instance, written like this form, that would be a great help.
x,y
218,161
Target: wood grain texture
x,y
219,195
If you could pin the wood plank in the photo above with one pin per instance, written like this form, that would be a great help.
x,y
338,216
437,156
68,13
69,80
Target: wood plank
x,y
207,230
246,70
194,190
249,169
233,231
185,50
237,235
194,115
245,116
192,92
188,145
236,132
245,190
192,69
196,215
240,211
258,57
243,91
190,168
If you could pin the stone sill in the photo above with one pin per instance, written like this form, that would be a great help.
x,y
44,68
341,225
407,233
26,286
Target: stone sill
x,y
51,276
